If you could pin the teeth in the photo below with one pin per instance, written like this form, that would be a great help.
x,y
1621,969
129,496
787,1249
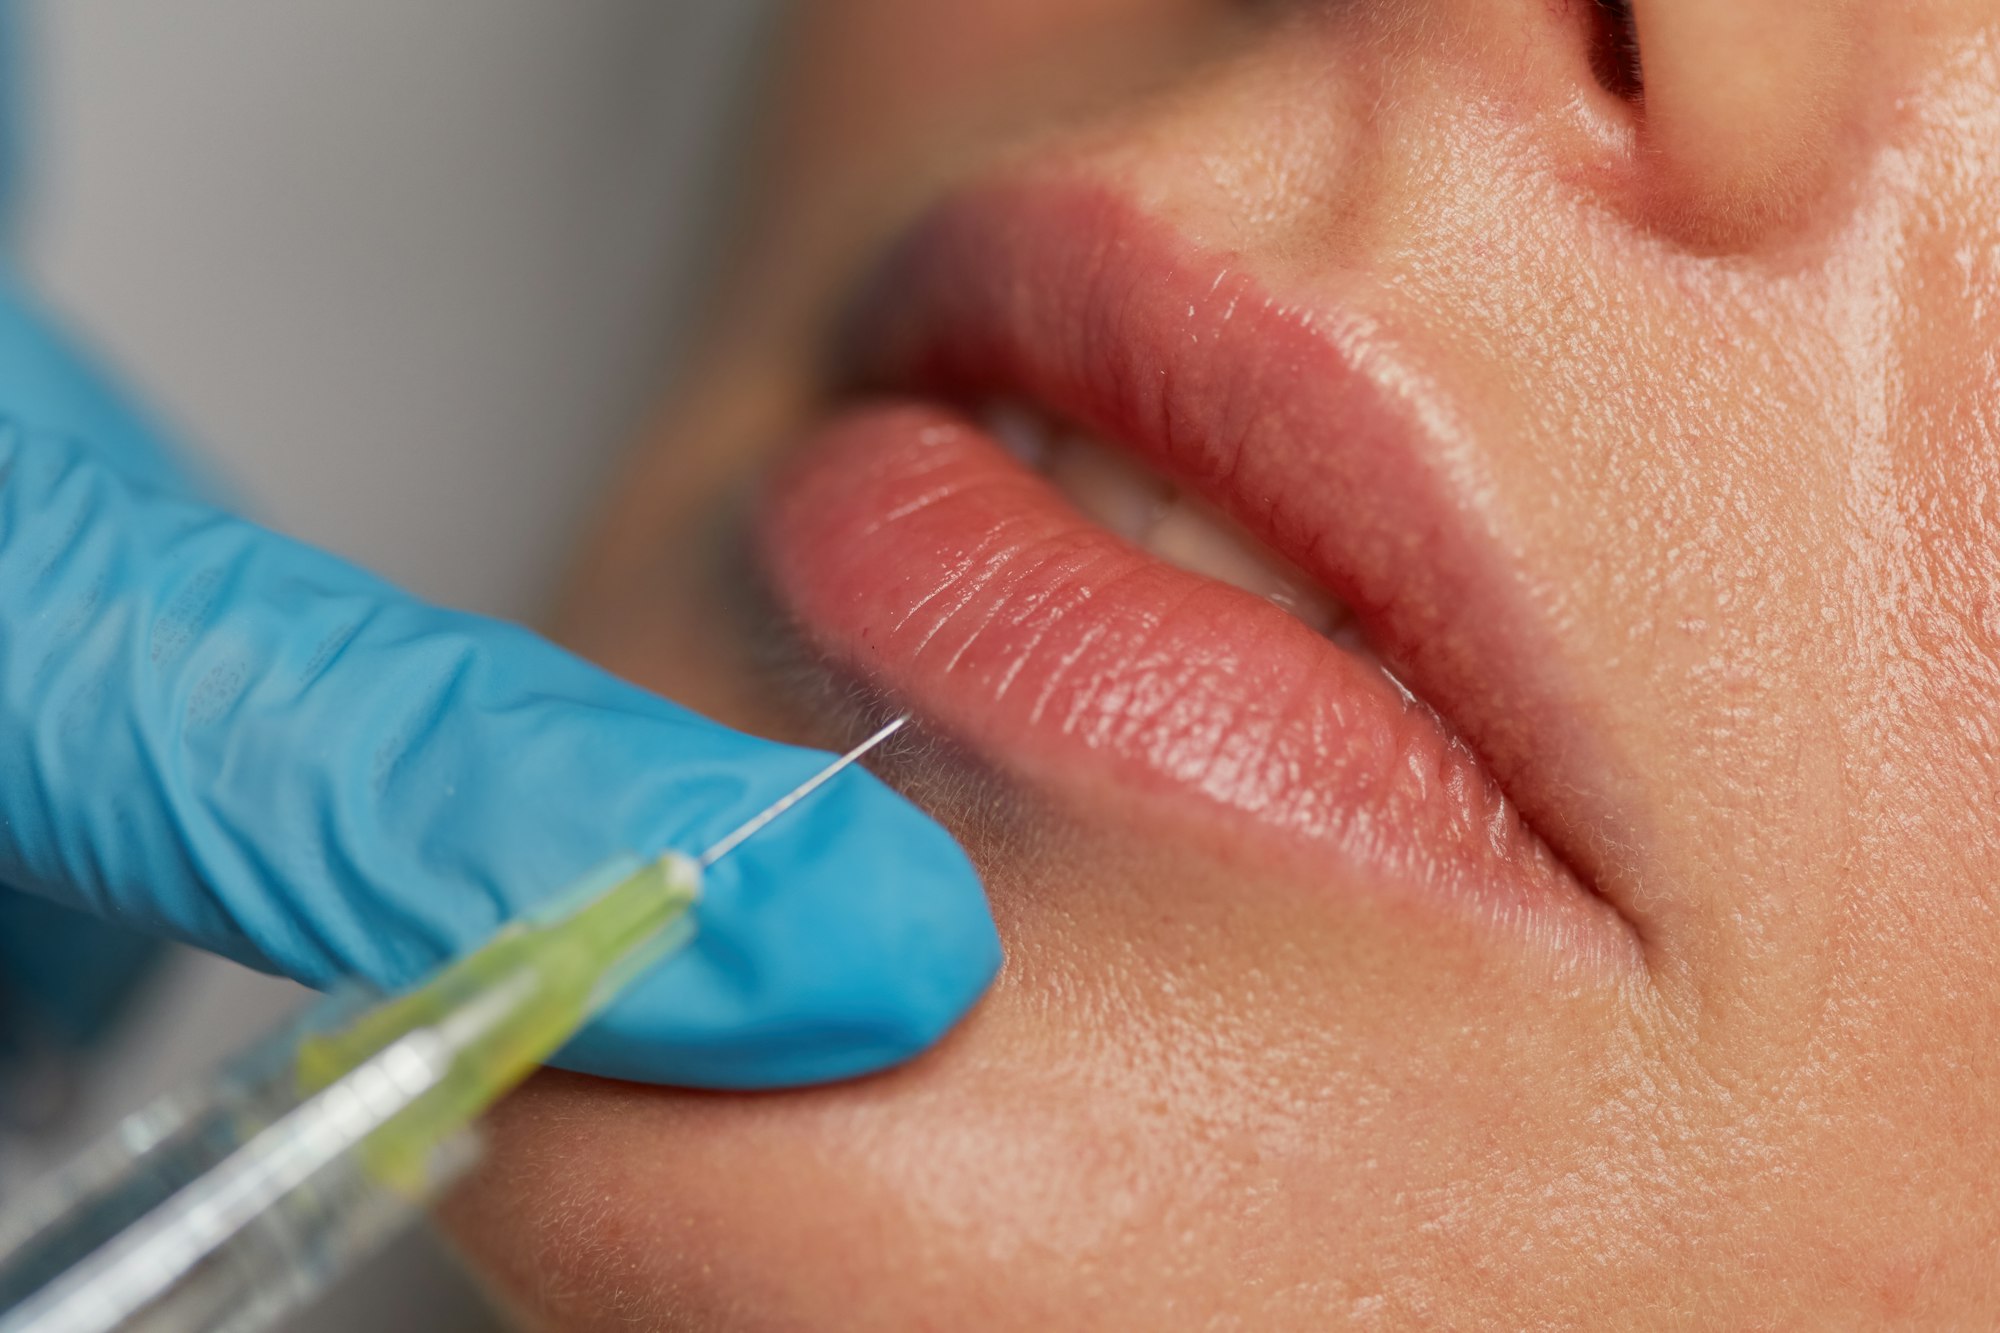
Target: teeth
x,y
1112,489
1196,538
1144,509
1021,431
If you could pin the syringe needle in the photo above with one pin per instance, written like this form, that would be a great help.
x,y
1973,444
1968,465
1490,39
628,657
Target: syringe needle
x,y
750,827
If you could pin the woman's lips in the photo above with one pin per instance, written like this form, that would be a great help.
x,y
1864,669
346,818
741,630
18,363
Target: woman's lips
x,y
923,557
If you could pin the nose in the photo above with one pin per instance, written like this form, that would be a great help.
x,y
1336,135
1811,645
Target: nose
x,y
1742,101
1707,121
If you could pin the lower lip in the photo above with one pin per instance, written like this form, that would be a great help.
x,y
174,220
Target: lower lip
x,y
925,560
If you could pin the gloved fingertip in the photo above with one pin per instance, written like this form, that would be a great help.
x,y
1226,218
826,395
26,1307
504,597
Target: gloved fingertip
x,y
927,916
849,937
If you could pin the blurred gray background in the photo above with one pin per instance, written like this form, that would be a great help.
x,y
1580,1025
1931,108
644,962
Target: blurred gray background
x,y
409,273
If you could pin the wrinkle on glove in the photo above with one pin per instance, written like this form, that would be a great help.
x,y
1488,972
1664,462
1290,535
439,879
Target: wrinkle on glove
x,y
64,978
212,732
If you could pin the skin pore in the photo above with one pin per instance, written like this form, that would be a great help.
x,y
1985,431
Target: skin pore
x,y
1717,350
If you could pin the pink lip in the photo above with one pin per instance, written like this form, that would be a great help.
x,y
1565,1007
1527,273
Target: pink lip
x,y
923,558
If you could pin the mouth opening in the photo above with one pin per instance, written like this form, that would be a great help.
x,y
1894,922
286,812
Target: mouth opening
x,y
1121,494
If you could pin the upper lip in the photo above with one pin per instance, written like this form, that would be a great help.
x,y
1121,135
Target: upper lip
x,y
1320,428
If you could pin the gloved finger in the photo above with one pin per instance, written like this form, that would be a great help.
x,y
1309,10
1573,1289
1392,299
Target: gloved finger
x,y
210,731
68,976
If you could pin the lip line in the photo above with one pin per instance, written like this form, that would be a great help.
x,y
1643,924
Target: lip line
x,y
1303,730
1034,246
1062,395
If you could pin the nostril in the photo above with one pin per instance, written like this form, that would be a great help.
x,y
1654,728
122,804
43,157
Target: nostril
x,y
1614,48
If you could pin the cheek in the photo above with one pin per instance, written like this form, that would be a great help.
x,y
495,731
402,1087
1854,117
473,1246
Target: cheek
x,y
996,1191
1675,450
986,1196
1179,1086
1043,1151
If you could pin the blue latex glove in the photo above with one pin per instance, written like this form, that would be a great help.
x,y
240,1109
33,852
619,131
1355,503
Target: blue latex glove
x,y
64,977
211,732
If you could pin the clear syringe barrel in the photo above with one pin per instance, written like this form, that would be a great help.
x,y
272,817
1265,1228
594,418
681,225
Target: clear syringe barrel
x,y
214,1210
224,1210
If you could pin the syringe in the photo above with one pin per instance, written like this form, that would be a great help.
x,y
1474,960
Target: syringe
x,y
225,1209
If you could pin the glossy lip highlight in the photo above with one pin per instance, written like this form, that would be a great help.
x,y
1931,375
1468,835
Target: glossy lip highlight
x,y
924,559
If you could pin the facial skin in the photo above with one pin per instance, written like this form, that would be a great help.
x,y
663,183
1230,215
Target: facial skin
x,y
1718,367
